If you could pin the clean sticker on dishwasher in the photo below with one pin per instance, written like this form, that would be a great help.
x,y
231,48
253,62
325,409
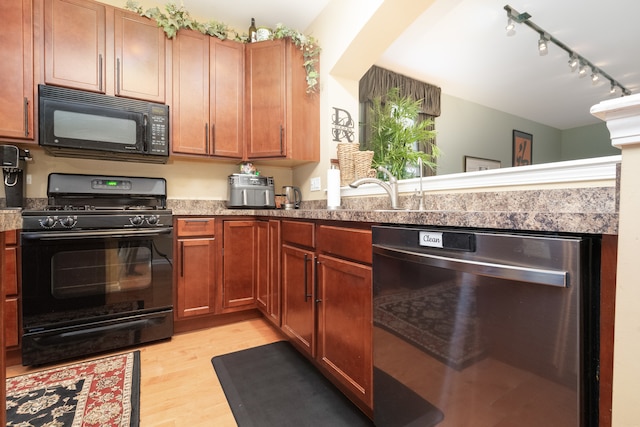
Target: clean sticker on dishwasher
x,y
430,239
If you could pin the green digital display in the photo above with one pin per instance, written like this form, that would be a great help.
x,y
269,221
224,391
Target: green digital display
x,y
112,183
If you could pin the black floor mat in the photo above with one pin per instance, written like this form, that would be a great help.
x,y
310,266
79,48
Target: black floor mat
x,y
274,385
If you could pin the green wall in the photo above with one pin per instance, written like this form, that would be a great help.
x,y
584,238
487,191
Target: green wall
x,y
586,142
468,129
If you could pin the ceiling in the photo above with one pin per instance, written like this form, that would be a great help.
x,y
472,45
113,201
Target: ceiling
x,y
461,46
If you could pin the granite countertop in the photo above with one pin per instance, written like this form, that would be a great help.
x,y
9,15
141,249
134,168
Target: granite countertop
x,y
584,210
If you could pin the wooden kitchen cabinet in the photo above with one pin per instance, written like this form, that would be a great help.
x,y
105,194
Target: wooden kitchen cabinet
x,y
90,46
208,76
241,244
195,270
345,315
327,302
3,357
298,282
268,288
11,289
140,57
74,43
16,69
282,120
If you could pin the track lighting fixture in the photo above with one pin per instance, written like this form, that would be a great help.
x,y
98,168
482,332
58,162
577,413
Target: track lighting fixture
x,y
576,61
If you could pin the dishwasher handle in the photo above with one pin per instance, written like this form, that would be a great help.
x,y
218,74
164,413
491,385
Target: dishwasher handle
x,y
503,271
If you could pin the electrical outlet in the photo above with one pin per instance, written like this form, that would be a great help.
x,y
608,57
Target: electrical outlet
x,y
315,184
28,178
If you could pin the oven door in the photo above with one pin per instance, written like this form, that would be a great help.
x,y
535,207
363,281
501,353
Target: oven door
x,y
69,277
86,292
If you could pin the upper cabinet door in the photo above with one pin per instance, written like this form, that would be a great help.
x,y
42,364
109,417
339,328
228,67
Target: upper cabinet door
x,y
16,70
75,44
190,115
282,120
226,98
140,57
265,99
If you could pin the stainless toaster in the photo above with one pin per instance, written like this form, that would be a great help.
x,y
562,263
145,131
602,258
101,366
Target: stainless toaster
x,y
250,191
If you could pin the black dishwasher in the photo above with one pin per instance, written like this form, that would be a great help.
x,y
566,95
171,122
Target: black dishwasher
x,y
484,328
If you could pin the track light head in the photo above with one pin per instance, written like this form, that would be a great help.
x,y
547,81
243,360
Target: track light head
x,y
582,71
573,63
543,47
595,77
510,28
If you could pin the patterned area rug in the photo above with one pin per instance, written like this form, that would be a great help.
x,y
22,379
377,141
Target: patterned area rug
x,y
103,392
440,320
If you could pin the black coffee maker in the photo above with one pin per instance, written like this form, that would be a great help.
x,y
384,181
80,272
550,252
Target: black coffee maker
x,y
12,159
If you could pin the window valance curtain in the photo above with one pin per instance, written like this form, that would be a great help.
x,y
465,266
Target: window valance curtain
x,y
378,81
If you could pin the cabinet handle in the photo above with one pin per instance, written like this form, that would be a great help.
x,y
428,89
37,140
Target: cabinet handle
x,y
213,138
100,72
118,76
25,109
181,259
306,292
281,139
315,280
206,138
196,220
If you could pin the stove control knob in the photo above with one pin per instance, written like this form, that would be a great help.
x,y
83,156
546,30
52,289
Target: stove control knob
x,y
137,220
47,222
68,222
152,220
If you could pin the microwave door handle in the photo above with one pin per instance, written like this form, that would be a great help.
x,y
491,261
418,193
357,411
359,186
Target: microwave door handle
x,y
145,123
245,201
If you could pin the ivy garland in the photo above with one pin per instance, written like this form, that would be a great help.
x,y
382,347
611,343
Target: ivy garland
x,y
177,17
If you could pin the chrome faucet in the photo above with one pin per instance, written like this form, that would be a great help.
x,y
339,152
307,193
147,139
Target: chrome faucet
x,y
420,194
391,187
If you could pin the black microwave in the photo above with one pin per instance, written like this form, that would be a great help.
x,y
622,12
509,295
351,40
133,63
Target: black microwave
x,y
76,123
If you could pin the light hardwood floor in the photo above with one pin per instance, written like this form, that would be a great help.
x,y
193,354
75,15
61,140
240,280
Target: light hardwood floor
x,y
178,384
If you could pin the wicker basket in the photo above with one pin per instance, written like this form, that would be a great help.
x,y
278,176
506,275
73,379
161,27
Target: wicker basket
x,y
346,151
362,163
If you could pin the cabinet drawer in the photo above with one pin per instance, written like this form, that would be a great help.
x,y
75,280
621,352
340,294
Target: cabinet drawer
x,y
195,227
299,233
349,243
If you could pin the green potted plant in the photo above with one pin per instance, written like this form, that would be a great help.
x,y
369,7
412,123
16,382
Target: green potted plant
x,y
395,134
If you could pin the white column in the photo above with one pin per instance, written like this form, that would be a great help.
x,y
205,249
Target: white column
x,y
623,121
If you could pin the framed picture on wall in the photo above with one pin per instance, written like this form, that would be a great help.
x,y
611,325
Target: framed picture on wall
x,y
522,148
472,164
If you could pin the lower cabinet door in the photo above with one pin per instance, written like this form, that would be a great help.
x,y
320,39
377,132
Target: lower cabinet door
x,y
195,277
298,301
239,264
345,324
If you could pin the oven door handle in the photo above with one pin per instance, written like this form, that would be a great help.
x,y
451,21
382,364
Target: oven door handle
x,y
80,234
512,272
